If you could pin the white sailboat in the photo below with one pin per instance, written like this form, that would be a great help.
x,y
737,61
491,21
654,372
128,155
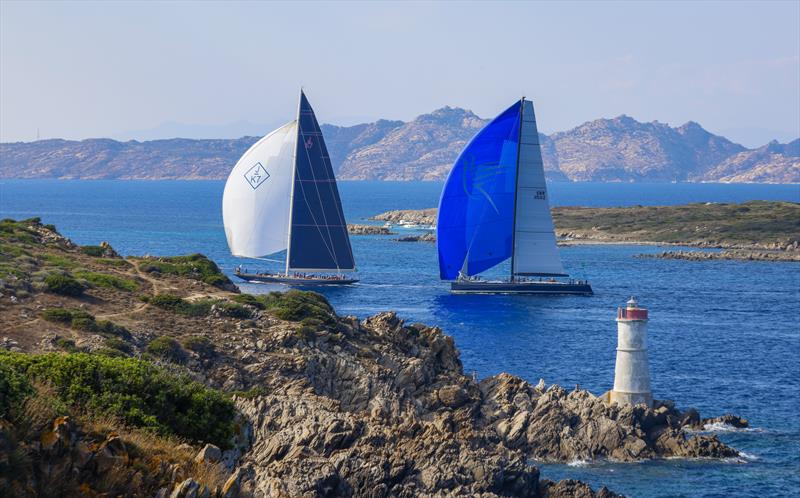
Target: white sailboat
x,y
282,196
494,206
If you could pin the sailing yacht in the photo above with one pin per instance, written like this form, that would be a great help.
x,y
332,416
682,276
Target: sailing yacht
x,y
282,196
494,206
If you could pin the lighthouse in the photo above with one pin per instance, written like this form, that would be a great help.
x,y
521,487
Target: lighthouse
x,y
632,371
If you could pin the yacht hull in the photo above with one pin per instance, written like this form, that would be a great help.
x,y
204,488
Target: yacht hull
x,y
295,281
483,287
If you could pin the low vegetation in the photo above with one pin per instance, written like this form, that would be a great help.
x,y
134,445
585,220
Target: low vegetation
x,y
292,305
194,266
201,345
137,392
63,284
108,281
81,320
751,223
179,305
166,348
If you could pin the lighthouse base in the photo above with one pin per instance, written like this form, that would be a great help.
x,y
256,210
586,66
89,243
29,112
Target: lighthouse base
x,y
623,398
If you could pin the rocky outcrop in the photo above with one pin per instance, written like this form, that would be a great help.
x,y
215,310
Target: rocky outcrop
x,y
553,424
425,217
368,230
425,237
789,255
398,420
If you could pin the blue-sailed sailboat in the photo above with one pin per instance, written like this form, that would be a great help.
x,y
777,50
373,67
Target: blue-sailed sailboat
x,y
494,207
282,195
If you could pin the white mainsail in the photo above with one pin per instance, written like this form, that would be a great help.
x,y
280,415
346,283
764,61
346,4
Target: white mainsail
x,y
257,196
535,251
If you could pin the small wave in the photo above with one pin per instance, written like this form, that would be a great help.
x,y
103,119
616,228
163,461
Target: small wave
x,y
723,427
749,456
579,463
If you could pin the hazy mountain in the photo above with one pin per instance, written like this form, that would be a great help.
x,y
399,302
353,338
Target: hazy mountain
x,y
619,149
774,162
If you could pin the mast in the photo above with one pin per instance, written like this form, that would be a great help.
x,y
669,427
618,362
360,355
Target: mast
x,y
291,196
516,189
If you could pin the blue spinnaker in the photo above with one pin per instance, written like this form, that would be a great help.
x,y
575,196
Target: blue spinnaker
x,y
475,226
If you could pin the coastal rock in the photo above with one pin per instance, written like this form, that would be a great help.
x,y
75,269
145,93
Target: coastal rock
x,y
426,237
566,426
353,229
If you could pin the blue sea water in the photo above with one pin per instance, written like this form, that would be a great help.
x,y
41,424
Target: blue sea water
x,y
723,335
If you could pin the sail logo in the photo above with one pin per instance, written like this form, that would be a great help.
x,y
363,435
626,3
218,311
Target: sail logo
x,y
256,175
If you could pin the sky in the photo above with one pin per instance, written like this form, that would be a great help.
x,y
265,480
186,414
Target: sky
x,y
144,70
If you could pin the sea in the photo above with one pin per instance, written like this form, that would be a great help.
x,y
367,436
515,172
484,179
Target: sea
x,y
723,335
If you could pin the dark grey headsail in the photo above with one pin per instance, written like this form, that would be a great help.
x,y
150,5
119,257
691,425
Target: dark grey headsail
x,y
318,239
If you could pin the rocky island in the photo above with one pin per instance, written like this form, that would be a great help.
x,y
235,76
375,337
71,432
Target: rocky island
x,y
155,376
754,230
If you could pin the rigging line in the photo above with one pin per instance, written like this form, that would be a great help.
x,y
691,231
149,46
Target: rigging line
x,y
334,191
331,183
305,199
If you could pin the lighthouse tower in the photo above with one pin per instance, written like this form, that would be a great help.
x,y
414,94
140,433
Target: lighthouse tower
x,y
632,371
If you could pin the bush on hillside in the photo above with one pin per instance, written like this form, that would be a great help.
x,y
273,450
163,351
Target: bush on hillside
x,y
166,348
194,266
14,388
201,345
138,392
64,285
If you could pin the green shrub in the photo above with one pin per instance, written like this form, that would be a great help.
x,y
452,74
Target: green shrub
x,y
65,344
86,324
181,306
233,310
64,285
166,348
58,315
250,300
95,251
296,305
81,320
201,345
112,328
119,263
58,260
194,266
118,344
109,281
140,393
14,387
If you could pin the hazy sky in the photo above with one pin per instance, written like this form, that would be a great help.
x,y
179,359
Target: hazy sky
x,y
107,69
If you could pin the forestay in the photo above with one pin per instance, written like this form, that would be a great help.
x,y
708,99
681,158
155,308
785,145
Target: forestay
x,y
255,202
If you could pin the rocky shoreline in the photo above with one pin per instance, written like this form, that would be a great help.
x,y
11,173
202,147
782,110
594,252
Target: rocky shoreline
x,y
728,227
735,255
327,405
355,229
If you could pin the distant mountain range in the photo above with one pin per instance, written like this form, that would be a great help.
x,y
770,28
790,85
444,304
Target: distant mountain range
x,y
607,150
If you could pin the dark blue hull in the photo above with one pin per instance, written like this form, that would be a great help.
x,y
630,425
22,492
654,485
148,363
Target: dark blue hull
x,y
483,287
